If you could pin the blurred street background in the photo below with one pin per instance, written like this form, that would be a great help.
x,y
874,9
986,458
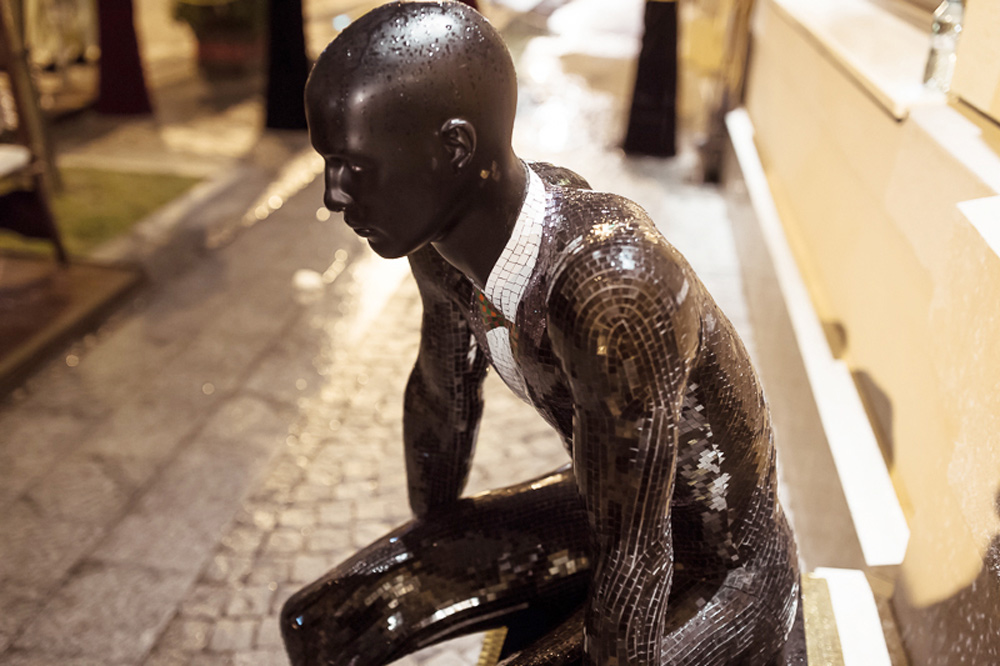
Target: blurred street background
x,y
233,429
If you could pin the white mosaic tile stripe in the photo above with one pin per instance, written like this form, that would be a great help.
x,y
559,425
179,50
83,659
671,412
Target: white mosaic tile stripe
x,y
503,360
509,279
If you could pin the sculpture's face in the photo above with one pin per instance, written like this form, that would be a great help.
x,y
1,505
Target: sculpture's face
x,y
395,188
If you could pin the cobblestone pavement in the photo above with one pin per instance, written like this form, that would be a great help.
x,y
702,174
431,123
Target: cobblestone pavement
x,y
338,484
168,481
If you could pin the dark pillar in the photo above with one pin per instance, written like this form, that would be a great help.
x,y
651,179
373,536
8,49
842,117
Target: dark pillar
x,y
123,86
287,66
653,116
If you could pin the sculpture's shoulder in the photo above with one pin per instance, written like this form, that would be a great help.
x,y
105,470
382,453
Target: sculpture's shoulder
x,y
614,259
607,232
559,176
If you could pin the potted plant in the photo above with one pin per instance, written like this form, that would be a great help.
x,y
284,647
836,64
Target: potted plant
x,y
230,33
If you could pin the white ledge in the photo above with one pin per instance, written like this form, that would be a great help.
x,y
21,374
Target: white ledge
x,y
855,613
984,215
882,52
878,518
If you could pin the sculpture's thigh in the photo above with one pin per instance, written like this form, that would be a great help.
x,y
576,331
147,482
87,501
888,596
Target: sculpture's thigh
x,y
463,570
710,622
563,646
742,618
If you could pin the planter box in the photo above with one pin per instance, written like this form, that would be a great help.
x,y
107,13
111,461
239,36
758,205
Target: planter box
x,y
225,54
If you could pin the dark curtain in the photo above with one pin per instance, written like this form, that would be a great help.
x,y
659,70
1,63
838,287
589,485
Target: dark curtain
x,y
122,89
653,116
287,66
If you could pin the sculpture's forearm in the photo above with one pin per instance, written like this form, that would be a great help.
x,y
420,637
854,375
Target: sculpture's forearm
x,y
625,614
625,476
627,350
439,435
443,400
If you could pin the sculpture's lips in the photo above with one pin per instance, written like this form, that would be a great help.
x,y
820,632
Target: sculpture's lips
x,y
358,227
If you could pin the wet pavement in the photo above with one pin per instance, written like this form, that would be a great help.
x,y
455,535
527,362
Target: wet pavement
x,y
236,431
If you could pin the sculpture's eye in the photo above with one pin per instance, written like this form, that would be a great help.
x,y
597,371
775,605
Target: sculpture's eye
x,y
355,167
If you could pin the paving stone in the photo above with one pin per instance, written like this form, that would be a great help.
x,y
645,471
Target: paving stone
x,y
259,516
33,441
269,570
205,601
111,612
227,568
336,513
372,509
392,489
297,517
283,593
210,659
243,540
19,607
354,490
327,539
145,428
85,489
307,568
38,551
269,634
292,361
250,601
180,518
283,540
43,658
164,657
364,470
369,532
272,657
312,493
232,635
247,423
285,475
57,389
185,635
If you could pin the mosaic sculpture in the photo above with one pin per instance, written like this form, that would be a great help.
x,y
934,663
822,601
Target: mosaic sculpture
x,y
663,542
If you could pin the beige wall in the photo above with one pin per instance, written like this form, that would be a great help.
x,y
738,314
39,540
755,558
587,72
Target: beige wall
x,y
870,204
977,72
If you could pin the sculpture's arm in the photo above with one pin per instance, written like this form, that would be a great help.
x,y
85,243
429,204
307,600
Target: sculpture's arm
x,y
443,400
626,337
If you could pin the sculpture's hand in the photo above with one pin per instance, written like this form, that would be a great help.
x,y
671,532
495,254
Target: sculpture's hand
x,y
443,400
626,340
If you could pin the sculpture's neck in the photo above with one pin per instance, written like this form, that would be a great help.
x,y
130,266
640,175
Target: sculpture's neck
x,y
478,237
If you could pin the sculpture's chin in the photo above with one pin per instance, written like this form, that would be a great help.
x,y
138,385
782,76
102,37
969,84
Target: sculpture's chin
x,y
382,249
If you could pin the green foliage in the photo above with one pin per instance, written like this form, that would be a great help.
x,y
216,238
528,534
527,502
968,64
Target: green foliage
x,y
97,205
215,16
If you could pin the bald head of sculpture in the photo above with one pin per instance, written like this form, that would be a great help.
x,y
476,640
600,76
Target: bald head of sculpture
x,y
412,108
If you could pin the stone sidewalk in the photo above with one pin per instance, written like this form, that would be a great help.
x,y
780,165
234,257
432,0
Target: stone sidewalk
x,y
337,484
169,480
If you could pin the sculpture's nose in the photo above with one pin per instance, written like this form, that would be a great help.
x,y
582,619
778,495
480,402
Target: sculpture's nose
x,y
336,198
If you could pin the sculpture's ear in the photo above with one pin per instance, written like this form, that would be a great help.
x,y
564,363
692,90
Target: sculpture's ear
x,y
459,139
